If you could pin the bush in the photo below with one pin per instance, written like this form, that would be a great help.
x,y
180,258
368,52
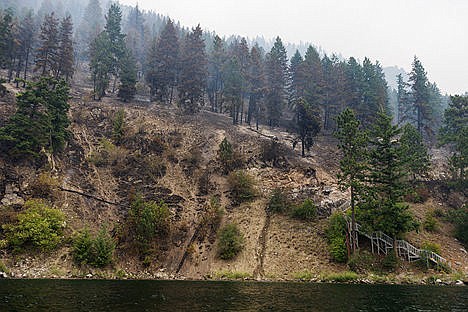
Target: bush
x,y
362,262
96,251
118,126
434,247
44,185
230,241
430,223
459,217
38,226
306,211
107,154
148,220
213,216
229,159
390,262
418,196
336,234
242,187
279,202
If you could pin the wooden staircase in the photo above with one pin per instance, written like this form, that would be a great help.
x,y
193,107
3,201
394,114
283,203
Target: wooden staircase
x,y
381,243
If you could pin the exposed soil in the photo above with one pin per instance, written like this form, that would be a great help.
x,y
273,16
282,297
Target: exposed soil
x,y
168,156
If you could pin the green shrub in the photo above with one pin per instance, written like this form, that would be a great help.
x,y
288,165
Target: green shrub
x,y
279,202
430,223
390,262
96,251
230,241
212,217
242,187
362,262
107,154
148,220
103,248
44,185
459,217
434,247
82,247
229,159
306,211
118,126
336,235
38,226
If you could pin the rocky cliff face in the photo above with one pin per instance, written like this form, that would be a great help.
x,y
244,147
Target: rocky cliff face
x,y
170,157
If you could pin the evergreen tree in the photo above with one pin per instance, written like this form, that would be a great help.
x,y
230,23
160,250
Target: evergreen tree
x,y
383,209
308,124
454,133
127,75
276,74
116,39
90,27
403,100
295,87
423,115
240,51
66,54
256,80
136,36
8,41
233,87
414,151
100,64
40,121
352,145
193,71
47,52
163,64
215,76
25,43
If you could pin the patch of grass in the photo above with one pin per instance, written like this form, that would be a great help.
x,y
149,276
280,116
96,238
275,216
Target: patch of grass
x,y
341,277
303,275
107,154
231,241
362,262
227,274
306,211
4,268
44,185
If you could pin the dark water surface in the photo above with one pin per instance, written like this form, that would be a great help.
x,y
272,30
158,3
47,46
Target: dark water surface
x,y
101,295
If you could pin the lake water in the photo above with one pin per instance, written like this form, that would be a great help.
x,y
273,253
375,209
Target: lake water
x,y
101,295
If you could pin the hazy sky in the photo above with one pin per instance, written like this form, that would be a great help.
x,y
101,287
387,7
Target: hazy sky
x,y
391,31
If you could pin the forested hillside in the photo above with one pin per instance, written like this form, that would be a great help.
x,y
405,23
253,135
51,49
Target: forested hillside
x,y
144,148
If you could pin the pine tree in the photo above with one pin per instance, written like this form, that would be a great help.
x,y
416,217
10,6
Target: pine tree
x,y
116,39
66,53
295,87
136,36
423,115
100,64
127,76
383,208
90,27
403,100
416,157
454,133
163,64
47,52
276,75
215,78
240,51
25,43
232,78
8,41
40,121
308,124
352,145
193,71
256,80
